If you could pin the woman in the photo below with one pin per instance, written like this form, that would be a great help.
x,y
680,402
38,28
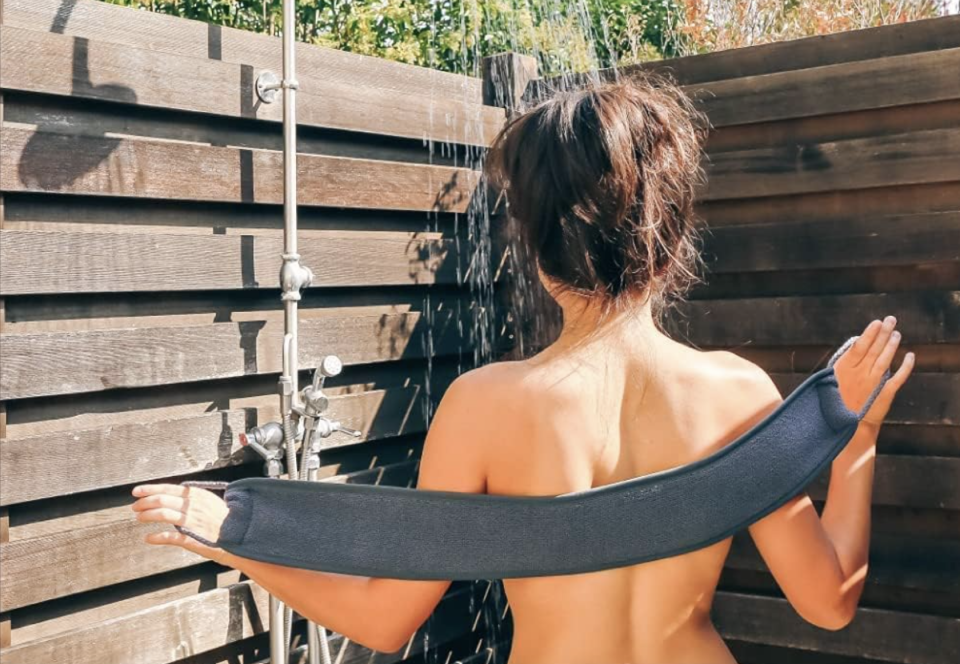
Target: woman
x,y
601,184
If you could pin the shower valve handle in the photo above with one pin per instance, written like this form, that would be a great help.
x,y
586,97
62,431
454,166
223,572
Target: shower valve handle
x,y
267,441
325,427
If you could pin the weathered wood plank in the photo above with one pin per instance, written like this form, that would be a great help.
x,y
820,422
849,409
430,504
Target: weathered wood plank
x,y
861,163
5,626
923,277
831,205
92,165
33,262
42,622
835,127
114,551
92,459
212,619
100,21
256,396
179,309
48,212
864,83
364,463
822,50
840,243
923,317
74,66
88,361
903,561
837,88
924,399
885,635
909,481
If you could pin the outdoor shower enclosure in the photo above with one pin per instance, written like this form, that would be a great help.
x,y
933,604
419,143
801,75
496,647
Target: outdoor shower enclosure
x,y
140,191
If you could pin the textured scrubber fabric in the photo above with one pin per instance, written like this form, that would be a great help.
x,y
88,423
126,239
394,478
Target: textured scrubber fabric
x,y
407,533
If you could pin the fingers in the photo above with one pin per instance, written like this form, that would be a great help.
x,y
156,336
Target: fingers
x,y
176,538
880,341
900,377
885,358
163,515
160,500
859,349
167,537
153,489
878,411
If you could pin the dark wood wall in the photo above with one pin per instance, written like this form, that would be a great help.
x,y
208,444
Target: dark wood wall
x,y
140,202
141,191
833,197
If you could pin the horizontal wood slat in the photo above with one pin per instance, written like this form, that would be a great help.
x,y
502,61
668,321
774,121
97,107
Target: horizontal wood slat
x,y
924,317
74,66
839,243
216,618
50,363
861,163
152,593
33,262
909,562
864,83
96,165
256,396
881,634
868,84
909,481
101,21
926,398
822,50
114,551
91,459
835,205
381,461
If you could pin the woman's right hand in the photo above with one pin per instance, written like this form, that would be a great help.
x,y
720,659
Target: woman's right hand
x,y
861,367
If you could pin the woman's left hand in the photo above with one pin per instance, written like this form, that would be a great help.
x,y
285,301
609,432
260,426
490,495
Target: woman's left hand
x,y
200,510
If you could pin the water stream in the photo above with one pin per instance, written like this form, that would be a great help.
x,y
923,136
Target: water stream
x,y
566,44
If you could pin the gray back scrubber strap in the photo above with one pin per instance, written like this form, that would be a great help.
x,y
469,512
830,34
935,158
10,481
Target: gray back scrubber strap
x,y
407,533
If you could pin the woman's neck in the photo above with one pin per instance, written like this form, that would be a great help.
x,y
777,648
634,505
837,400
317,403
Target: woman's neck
x,y
585,326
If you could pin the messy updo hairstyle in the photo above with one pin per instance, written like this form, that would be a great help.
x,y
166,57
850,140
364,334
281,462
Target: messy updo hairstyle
x,y
600,185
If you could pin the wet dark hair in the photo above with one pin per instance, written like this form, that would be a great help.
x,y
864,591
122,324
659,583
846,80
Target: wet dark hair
x,y
601,183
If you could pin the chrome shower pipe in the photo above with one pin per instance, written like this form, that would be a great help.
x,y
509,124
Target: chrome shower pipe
x,y
293,278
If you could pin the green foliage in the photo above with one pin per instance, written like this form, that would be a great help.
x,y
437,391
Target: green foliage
x,y
454,35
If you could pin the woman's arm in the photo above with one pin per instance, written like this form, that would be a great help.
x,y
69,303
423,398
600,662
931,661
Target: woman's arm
x,y
846,515
379,613
820,562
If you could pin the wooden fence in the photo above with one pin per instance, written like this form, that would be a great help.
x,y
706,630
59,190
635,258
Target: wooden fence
x,y
141,208
135,140
833,197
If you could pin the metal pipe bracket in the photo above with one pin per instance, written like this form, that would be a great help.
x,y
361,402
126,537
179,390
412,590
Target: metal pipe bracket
x,y
294,276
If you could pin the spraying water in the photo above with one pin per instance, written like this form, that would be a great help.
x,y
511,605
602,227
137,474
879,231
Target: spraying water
x,y
567,42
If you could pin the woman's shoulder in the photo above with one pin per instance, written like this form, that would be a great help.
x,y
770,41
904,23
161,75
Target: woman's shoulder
x,y
741,372
504,377
744,390
502,391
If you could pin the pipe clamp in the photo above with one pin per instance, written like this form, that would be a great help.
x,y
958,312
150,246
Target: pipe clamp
x,y
294,276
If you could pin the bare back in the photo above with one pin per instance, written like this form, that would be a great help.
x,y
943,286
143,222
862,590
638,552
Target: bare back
x,y
586,422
